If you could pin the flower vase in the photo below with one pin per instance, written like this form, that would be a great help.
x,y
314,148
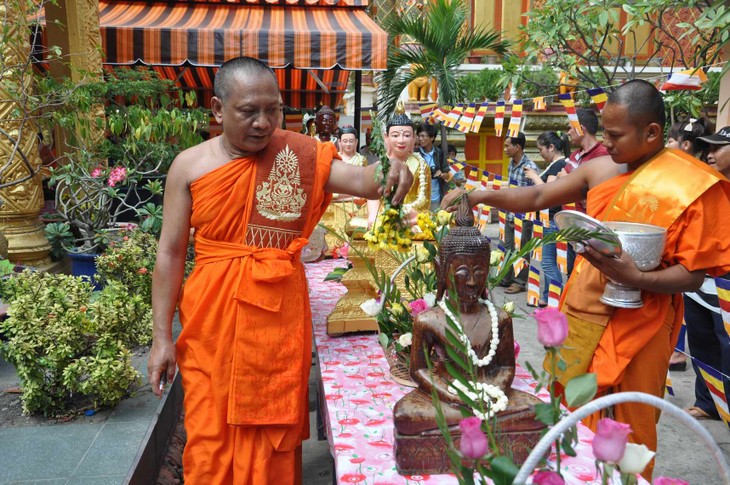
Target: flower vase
x,y
399,363
84,264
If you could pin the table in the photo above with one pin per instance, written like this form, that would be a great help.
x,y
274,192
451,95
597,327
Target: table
x,y
359,395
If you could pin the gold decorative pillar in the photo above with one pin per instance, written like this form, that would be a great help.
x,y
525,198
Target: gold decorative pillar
x,y
21,192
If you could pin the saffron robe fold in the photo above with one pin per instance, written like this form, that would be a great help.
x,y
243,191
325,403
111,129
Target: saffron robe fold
x,y
245,348
633,350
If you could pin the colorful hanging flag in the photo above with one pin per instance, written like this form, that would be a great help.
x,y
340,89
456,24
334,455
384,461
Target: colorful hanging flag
x,y
533,286
690,79
440,115
502,219
499,118
485,179
427,111
561,250
723,295
545,217
569,105
484,213
518,231
515,119
453,117
465,122
518,265
501,249
538,104
537,233
554,291
570,206
668,385
497,182
599,97
715,385
473,179
477,123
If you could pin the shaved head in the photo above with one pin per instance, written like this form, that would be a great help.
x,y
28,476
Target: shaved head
x,y
236,68
643,102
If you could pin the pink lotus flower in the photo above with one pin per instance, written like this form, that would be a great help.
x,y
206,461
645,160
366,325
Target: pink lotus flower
x,y
473,440
669,481
418,306
547,477
552,326
609,444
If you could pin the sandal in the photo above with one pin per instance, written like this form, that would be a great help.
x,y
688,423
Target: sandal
x,y
514,288
698,413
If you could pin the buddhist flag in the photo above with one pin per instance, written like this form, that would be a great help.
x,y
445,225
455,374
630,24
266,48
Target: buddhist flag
x,y
473,180
554,291
427,111
456,167
477,123
366,119
561,249
440,115
485,179
502,219
723,295
533,286
454,115
537,233
293,122
518,230
545,217
499,118
515,119
465,122
484,213
570,206
690,79
497,182
518,265
569,105
530,216
599,97
501,249
668,385
715,385
538,104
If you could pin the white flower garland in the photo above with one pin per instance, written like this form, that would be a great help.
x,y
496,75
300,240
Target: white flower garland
x,y
465,339
495,398
407,208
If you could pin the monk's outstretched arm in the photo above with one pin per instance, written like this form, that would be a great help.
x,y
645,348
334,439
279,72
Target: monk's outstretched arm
x,y
168,275
362,181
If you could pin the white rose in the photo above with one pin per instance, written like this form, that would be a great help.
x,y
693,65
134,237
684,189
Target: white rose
x,y
430,299
495,258
635,459
422,254
406,339
372,307
509,307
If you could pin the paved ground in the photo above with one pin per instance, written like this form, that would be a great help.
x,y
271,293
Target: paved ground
x,y
680,454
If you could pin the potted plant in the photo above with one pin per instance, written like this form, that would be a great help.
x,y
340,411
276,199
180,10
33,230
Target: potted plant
x,y
147,121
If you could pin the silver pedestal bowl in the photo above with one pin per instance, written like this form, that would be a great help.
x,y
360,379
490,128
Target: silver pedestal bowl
x,y
645,244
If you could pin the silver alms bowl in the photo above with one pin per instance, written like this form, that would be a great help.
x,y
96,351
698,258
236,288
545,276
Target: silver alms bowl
x,y
645,243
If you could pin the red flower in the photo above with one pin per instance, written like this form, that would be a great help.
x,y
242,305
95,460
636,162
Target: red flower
x,y
353,478
343,447
380,444
142,270
347,421
333,397
375,422
357,460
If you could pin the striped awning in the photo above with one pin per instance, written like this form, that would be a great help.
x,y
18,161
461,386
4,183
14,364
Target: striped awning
x,y
206,34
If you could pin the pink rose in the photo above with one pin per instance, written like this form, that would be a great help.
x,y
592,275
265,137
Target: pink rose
x,y
473,440
669,481
552,326
517,349
418,306
547,477
609,444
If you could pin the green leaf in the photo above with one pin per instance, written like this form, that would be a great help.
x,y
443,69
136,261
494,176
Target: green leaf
x,y
545,413
384,340
502,470
581,389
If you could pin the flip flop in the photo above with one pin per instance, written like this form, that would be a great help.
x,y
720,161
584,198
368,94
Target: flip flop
x,y
698,413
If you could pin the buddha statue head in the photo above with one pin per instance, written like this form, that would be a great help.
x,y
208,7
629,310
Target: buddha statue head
x,y
326,122
462,266
400,136
348,140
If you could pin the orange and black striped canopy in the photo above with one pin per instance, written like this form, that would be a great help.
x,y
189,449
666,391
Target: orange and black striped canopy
x,y
207,34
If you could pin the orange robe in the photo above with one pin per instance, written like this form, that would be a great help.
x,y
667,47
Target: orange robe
x,y
245,348
634,349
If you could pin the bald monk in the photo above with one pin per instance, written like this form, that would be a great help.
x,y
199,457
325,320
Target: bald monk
x,y
629,349
253,195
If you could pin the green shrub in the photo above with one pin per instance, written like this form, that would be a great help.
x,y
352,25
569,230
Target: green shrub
x,y
67,350
130,260
485,84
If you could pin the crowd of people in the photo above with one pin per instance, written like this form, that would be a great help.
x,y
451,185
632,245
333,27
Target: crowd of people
x,y
254,194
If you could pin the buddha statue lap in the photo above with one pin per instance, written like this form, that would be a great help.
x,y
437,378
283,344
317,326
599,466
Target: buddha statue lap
x,y
462,268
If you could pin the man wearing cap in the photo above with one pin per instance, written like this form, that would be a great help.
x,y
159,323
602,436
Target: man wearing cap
x,y
706,334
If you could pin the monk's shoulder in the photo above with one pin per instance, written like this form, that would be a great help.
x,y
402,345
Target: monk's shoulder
x,y
193,162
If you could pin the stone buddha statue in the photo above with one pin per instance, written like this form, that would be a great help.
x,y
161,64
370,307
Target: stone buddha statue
x,y
325,121
462,269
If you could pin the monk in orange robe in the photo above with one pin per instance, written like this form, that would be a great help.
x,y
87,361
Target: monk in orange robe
x,y
629,349
253,195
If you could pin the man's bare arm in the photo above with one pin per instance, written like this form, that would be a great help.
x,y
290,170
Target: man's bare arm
x,y
361,181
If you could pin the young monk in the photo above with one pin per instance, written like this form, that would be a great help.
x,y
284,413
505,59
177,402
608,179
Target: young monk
x,y
629,349
253,195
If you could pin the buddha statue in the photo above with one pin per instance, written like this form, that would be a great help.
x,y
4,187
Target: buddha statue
x,y
462,268
349,141
325,121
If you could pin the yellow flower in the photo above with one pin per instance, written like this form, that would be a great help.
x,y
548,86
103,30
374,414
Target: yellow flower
x,y
495,258
443,217
422,254
396,309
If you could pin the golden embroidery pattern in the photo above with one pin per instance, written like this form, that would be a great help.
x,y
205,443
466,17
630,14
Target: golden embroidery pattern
x,y
649,201
281,197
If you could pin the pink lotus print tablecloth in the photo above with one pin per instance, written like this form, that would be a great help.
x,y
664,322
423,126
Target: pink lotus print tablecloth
x,y
359,396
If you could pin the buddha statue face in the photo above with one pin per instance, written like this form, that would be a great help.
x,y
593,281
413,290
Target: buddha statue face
x,y
326,121
400,141
469,282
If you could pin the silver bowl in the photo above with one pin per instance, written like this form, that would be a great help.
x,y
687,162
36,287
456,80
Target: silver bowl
x,y
645,243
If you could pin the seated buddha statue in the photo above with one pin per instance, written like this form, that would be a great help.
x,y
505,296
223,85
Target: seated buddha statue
x,y
325,120
462,268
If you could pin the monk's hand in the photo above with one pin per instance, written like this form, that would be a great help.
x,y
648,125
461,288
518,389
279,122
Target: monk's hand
x,y
451,200
161,365
400,178
621,270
